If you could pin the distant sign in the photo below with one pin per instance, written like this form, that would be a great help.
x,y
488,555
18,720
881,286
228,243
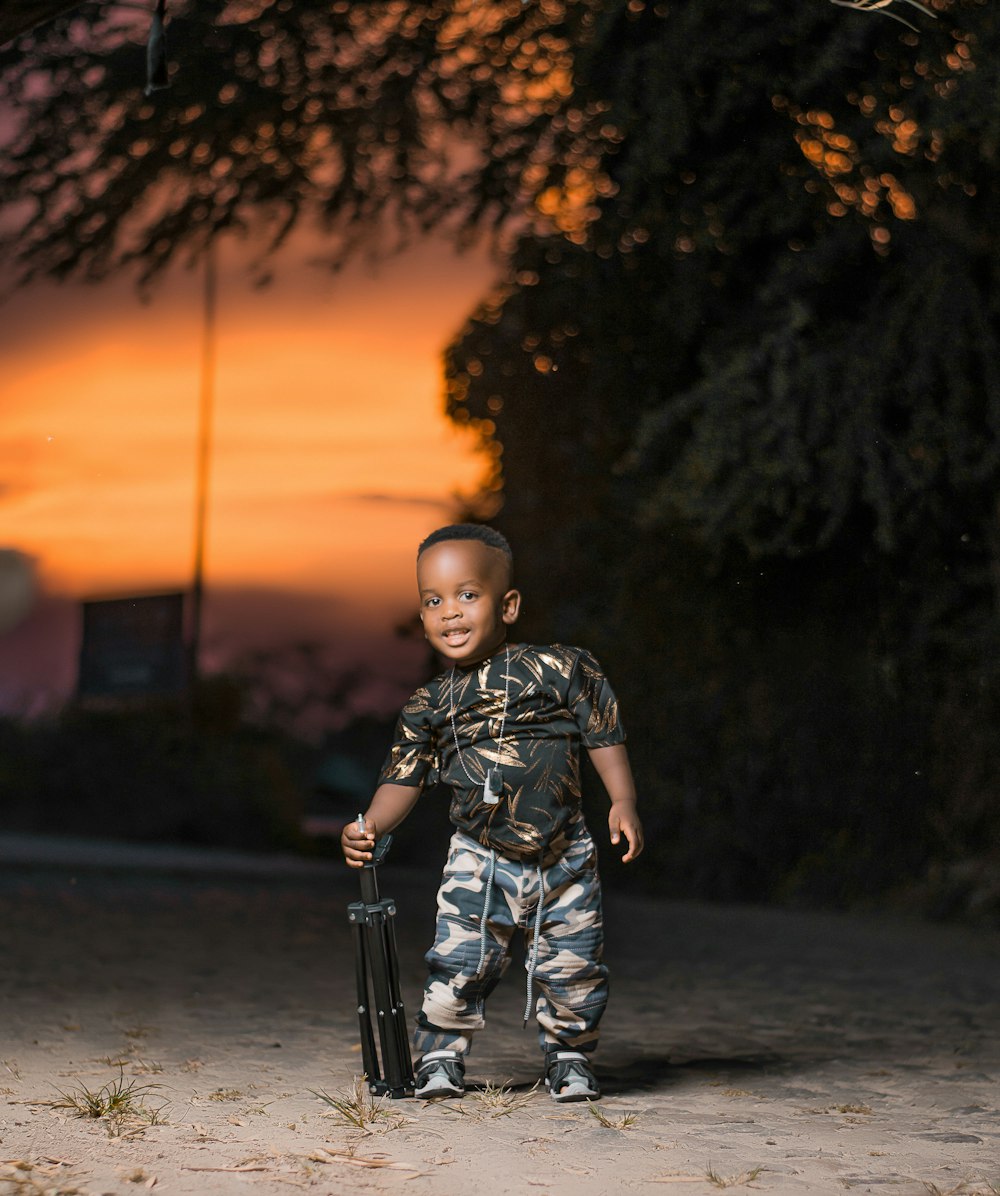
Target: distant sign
x,y
17,588
132,647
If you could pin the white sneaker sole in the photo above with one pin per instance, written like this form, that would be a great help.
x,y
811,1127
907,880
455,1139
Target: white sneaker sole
x,y
573,1092
438,1087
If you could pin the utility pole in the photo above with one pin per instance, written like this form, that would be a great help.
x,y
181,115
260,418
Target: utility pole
x,y
205,406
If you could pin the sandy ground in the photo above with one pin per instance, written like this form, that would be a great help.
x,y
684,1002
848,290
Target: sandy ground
x,y
750,1048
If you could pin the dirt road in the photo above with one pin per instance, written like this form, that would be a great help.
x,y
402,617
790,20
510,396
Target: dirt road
x,y
752,1048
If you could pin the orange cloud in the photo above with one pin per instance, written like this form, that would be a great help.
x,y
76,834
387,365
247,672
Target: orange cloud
x,y
327,394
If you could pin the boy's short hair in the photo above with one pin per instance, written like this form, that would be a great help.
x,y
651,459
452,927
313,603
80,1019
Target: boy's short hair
x,y
467,531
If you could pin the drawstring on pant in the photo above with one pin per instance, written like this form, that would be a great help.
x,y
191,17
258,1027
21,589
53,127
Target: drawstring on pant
x,y
532,963
533,954
486,912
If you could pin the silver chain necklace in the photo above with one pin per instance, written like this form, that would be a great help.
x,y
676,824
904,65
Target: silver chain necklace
x,y
493,786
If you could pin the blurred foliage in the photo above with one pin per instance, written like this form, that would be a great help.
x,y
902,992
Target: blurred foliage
x,y
299,689
344,112
374,118
155,771
752,394
250,760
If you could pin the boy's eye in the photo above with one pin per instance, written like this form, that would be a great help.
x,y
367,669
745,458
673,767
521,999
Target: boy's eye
x,y
431,601
468,595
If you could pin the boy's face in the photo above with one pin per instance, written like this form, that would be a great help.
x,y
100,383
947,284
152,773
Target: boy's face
x,y
466,603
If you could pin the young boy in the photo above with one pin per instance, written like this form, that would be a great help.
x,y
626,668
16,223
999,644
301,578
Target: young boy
x,y
502,726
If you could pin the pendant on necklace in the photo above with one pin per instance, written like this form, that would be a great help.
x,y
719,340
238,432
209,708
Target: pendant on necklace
x,y
493,787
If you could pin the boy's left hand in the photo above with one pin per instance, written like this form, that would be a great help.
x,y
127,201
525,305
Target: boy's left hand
x,y
623,819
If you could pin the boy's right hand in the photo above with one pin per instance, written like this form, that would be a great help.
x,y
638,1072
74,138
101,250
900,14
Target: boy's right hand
x,y
357,844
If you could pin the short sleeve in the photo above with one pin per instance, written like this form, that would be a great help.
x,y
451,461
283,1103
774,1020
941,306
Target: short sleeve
x,y
593,704
412,754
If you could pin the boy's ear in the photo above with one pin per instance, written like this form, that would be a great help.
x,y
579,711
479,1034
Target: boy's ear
x,y
511,606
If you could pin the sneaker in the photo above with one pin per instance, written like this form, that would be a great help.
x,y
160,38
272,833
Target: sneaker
x,y
440,1073
568,1076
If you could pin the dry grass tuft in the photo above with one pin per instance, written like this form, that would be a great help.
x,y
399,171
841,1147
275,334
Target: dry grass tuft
x,y
120,1103
360,1108
146,1067
497,1100
623,1122
732,1181
490,1102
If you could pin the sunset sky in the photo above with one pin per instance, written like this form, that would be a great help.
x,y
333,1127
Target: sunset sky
x,y
331,453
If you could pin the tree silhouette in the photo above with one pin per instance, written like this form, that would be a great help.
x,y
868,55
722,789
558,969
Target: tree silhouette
x,y
361,116
795,272
371,117
752,392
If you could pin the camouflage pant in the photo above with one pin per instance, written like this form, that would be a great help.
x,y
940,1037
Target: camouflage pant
x,y
467,960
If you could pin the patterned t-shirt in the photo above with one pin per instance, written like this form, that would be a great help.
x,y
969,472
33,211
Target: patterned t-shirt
x,y
557,699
